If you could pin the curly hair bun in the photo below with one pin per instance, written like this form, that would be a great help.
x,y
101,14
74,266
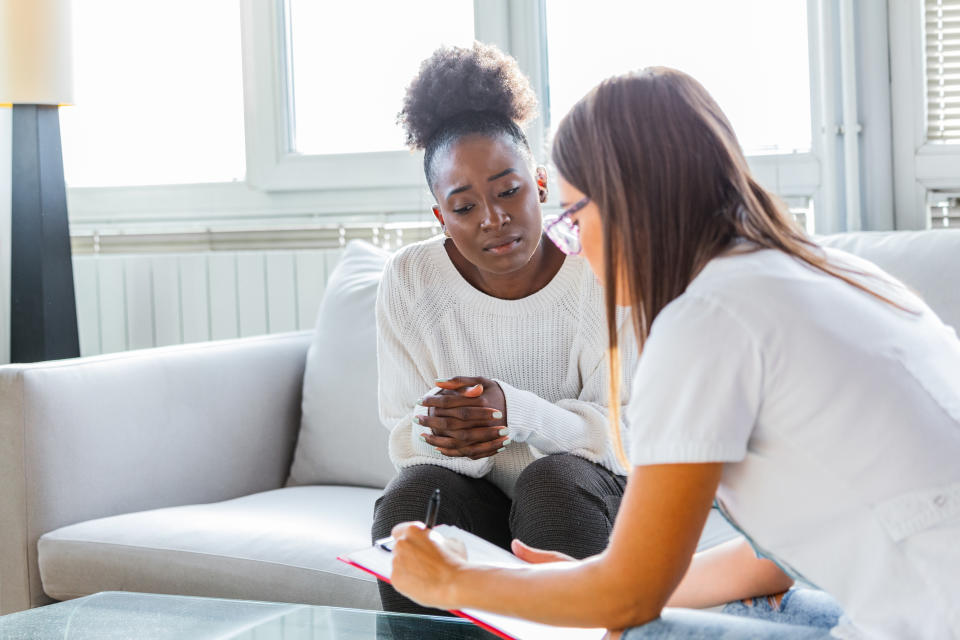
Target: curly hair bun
x,y
457,80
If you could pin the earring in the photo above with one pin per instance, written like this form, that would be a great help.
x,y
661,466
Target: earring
x,y
542,187
542,183
541,177
445,232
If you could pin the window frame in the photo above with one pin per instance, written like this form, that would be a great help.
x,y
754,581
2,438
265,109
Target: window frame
x,y
919,165
790,175
271,163
292,187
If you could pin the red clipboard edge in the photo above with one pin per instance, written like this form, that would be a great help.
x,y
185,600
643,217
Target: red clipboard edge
x,y
479,623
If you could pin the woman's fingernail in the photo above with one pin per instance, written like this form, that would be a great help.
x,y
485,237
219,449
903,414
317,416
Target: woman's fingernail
x,y
437,449
507,441
443,379
416,420
423,437
504,431
497,415
501,449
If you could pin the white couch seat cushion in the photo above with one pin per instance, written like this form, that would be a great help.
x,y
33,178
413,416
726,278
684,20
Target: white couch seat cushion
x,y
279,545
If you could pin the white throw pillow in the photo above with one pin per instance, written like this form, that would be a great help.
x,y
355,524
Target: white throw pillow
x,y
341,438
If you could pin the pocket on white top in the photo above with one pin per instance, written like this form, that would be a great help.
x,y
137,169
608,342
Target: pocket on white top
x,y
911,513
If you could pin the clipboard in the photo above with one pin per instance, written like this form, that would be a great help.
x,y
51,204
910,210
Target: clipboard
x,y
379,563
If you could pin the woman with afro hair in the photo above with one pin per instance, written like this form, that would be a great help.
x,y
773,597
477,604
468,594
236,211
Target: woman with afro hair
x,y
491,341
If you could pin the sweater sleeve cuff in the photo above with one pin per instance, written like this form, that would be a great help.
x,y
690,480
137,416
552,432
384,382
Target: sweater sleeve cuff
x,y
527,417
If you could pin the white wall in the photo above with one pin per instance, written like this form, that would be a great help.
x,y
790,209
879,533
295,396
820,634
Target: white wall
x,y
6,118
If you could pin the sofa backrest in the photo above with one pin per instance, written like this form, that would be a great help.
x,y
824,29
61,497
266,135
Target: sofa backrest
x,y
926,261
341,439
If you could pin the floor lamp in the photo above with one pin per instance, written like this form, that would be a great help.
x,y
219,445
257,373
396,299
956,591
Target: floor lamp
x,y
36,77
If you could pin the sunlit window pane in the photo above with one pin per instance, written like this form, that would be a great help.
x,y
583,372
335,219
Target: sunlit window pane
x,y
159,94
751,55
352,62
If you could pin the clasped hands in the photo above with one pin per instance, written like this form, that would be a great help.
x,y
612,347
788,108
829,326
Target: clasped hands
x,y
468,418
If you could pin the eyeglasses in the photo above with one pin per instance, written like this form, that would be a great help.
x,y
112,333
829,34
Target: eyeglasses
x,y
563,232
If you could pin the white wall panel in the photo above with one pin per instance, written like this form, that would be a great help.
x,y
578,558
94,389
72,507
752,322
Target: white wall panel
x,y
167,323
281,292
194,297
222,282
88,305
252,293
138,282
151,300
311,268
112,303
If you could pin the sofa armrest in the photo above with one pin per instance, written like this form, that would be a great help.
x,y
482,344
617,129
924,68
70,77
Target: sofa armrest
x,y
93,437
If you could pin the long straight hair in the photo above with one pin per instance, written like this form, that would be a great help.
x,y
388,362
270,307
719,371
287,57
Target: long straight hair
x,y
658,157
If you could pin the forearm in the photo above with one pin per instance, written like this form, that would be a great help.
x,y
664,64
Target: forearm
x,y
728,572
626,585
403,379
648,556
568,426
589,594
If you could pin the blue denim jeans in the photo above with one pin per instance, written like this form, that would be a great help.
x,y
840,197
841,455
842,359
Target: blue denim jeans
x,y
802,614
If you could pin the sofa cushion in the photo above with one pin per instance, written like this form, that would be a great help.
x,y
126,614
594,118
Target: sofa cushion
x,y
341,438
926,261
279,545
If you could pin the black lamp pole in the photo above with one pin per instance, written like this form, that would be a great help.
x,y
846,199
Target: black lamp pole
x,y
43,310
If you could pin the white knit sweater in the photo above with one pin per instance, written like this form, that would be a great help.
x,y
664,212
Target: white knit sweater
x,y
547,351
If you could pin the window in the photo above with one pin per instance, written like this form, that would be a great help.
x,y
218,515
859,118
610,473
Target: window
x,y
925,84
942,59
316,87
944,209
348,83
766,97
325,82
159,94
942,35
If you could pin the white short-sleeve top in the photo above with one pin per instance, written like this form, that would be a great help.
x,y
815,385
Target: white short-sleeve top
x,y
838,418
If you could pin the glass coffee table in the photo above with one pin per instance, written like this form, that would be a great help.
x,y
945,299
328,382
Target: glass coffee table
x,y
116,614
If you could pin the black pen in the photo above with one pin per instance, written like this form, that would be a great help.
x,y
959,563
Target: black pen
x,y
433,508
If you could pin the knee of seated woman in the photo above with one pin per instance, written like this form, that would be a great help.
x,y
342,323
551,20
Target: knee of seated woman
x,y
413,486
557,472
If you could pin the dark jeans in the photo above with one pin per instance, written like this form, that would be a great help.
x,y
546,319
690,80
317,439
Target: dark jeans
x,y
561,502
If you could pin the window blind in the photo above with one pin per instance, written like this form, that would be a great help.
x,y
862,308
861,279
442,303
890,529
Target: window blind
x,y
942,35
944,208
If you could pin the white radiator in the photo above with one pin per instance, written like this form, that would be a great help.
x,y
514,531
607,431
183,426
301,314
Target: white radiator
x,y
141,301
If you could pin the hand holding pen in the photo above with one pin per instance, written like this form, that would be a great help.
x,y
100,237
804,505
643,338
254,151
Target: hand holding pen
x,y
424,567
430,520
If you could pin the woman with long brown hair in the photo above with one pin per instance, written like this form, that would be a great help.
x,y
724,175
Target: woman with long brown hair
x,y
812,395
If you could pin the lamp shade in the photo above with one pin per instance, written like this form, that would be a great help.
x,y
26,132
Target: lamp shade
x,y
36,46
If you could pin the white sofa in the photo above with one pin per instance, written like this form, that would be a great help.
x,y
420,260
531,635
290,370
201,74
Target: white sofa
x,y
164,470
